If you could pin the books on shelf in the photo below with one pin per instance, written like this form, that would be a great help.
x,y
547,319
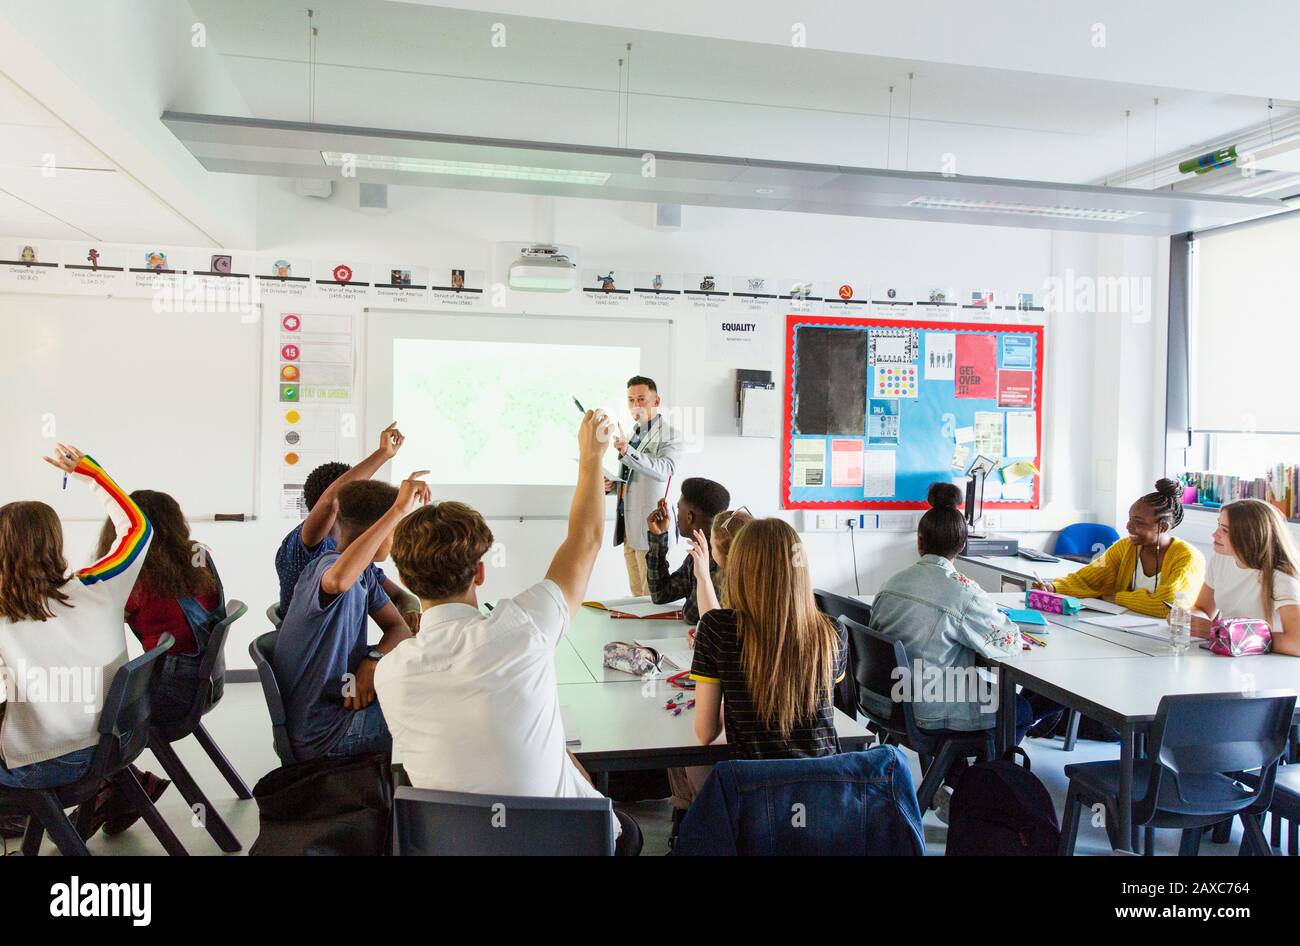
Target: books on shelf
x,y
1280,485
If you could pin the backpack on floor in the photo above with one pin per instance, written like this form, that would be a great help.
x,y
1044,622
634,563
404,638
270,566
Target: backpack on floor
x,y
999,808
326,806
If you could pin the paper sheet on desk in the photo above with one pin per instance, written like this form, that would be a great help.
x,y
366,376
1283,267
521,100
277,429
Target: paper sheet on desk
x,y
638,606
1125,622
1096,604
676,650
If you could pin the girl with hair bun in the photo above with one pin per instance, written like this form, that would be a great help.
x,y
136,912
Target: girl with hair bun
x,y
945,621
1150,568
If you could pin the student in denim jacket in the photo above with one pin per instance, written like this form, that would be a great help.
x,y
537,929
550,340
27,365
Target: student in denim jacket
x,y
945,620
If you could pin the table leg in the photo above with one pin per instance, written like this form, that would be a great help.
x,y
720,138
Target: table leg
x,y
602,781
1005,728
1125,834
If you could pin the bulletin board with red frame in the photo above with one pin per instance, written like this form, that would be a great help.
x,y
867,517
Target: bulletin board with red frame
x,y
909,392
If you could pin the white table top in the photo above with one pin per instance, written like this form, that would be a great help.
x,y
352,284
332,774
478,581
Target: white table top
x,y
1022,568
590,630
629,721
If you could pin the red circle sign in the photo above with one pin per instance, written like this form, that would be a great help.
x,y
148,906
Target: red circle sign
x,y
846,291
289,352
291,323
342,273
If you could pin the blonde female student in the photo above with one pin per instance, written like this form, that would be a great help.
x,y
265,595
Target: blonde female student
x,y
1147,570
52,621
768,653
1254,573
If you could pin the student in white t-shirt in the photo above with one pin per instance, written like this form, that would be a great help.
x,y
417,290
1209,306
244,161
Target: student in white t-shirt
x,y
471,700
1255,573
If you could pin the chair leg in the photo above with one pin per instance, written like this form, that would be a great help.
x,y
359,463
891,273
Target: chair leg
x,y
1072,729
193,795
1292,836
137,796
223,764
1222,833
1070,822
1190,845
33,836
1253,841
47,810
1149,841
934,774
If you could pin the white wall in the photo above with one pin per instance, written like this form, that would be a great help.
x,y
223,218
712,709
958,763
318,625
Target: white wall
x,y
428,224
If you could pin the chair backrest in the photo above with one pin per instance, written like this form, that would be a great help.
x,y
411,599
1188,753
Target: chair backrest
x,y
212,671
456,823
1211,734
124,717
260,649
1085,538
835,607
877,662
273,614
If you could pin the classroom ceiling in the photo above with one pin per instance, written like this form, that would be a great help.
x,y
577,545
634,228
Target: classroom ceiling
x,y
435,69
54,184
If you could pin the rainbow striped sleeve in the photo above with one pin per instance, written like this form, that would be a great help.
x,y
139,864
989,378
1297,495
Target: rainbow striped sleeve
x,y
133,529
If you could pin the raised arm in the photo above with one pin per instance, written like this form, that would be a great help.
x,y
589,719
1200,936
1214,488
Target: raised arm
x,y
321,518
132,530
353,560
576,556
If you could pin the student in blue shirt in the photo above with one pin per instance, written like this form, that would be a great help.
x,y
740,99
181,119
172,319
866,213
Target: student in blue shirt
x,y
319,532
322,661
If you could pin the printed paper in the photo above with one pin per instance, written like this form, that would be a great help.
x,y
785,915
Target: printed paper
x,y
940,356
1015,388
1018,350
882,421
809,456
846,462
1022,439
977,359
879,466
894,381
988,433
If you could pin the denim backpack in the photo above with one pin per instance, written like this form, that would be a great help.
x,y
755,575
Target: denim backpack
x,y
1000,808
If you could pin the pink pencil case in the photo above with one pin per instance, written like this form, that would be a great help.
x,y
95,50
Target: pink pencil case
x,y
1051,602
1240,637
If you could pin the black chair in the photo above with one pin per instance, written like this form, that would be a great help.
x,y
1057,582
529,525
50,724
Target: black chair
x,y
835,607
431,823
877,662
260,650
1188,780
273,615
123,735
212,671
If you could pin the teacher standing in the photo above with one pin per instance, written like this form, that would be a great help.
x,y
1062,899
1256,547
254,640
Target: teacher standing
x,y
647,458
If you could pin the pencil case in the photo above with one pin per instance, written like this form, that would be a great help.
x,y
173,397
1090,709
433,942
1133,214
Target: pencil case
x,y
1240,637
635,659
1051,602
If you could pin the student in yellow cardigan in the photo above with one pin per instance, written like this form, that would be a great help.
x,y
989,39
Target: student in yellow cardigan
x,y
1147,570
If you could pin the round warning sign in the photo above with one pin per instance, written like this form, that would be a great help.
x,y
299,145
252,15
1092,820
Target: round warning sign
x,y
342,273
289,352
291,458
290,322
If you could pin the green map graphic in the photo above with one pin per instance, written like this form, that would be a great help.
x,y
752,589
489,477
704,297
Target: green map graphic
x,y
502,412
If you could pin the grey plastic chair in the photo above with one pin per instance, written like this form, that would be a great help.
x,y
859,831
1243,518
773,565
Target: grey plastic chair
x,y
1198,742
431,823
273,614
260,650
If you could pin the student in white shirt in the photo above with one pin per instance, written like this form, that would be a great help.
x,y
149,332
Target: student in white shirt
x,y
471,700
1255,573
62,636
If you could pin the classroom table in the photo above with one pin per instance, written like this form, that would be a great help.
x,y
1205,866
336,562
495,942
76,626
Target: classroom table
x,y
591,629
1014,570
1125,693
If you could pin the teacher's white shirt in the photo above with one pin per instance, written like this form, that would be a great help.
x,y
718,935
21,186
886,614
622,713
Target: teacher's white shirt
x,y
472,704
1237,591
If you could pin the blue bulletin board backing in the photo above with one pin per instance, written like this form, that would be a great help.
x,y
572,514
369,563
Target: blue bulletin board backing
x,y
890,416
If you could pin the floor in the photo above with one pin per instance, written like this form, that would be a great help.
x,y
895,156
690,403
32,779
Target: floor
x,y
240,726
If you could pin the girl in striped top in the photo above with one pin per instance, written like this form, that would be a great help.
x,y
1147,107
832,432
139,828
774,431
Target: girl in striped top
x,y
61,635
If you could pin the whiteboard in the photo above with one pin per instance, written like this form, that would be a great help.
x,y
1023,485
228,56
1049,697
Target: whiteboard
x,y
423,345
165,401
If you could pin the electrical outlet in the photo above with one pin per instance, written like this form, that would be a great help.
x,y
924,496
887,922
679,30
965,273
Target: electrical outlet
x,y
991,520
850,521
825,521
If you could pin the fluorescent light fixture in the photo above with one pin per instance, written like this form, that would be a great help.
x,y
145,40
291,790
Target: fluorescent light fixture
x,y
1028,210
504,172
1023,209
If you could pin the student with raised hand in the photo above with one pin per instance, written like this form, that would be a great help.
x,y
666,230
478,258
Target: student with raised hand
x,y
945,621
709,558
1254,573
472,699
319,532
768,655
52,621
699,502
322,660
1150,568
177,592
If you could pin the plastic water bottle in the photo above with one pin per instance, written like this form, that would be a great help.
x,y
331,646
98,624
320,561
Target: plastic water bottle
x,y
1180,626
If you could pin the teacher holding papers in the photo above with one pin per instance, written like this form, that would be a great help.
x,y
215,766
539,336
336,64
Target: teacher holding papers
x,y
647,458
